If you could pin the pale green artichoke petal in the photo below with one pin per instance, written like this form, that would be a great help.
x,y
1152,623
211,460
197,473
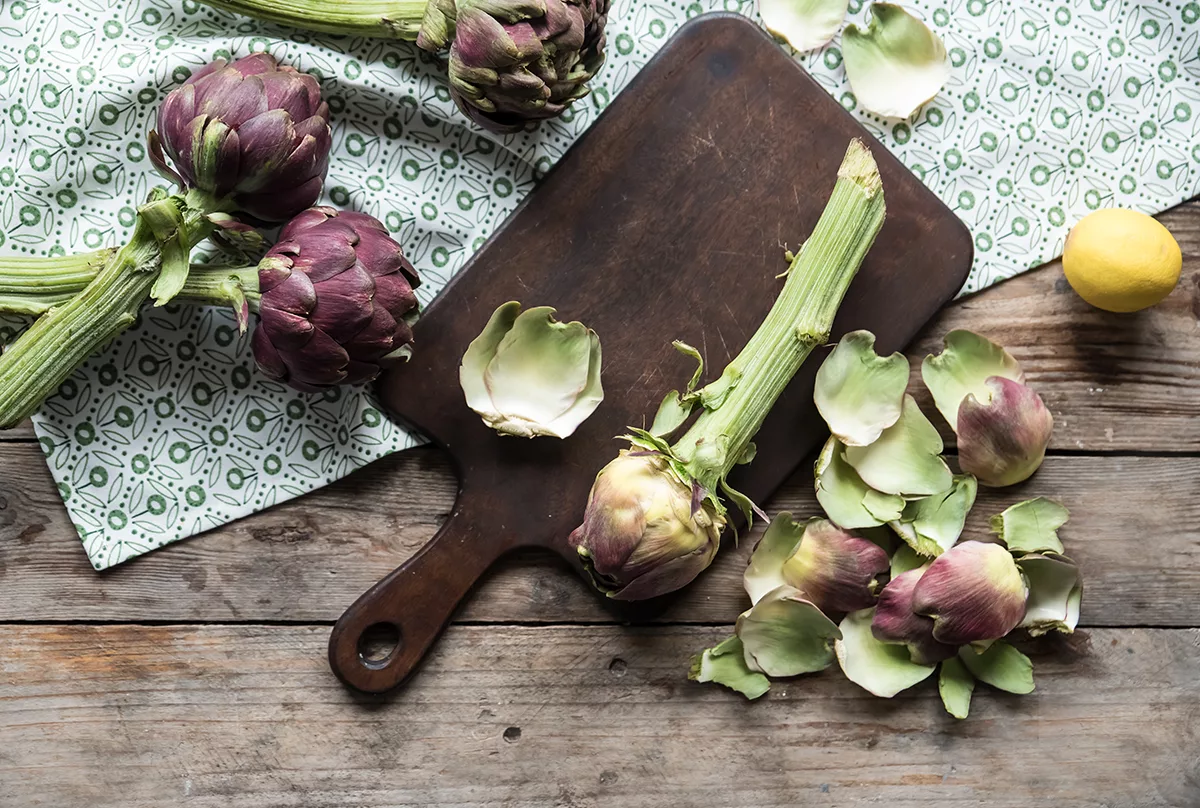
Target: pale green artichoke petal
x,y
955,686
932,525
672,412
765,571
962,368
481,351
906,558
896,64
906,459
725,664
858,392
1001,666
804,24
880,668
849,502
1031,526
1055,594
527,374
589,398
785,634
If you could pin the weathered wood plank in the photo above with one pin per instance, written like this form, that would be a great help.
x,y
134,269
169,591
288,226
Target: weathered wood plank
x,y
1113,381
1134,531
250,717
21,432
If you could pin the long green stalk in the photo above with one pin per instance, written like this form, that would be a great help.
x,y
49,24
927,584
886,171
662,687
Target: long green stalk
x,y
390,19
33,286
800,320
33,366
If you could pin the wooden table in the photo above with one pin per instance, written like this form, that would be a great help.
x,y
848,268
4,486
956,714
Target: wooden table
x,y
197,676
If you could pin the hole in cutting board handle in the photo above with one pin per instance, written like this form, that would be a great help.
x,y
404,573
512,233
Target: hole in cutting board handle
x,y
378,645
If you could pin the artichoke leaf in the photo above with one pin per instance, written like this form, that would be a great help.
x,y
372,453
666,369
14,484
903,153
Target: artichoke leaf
x,y
785,634
764,573
906,459
1001,666
896,64
880,668
931,525
804,24
1055,594
849,502
955,686
858,392
725,664
1031,526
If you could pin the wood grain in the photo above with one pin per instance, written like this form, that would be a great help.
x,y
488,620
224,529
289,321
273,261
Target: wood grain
x,y
21,432
137,716
1133,529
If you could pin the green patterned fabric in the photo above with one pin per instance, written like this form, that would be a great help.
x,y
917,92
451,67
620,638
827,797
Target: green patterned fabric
x,y
1054,109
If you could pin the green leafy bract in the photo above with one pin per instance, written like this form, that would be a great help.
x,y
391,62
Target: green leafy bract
x,y
1001,666
725,664
880,668
933,524
785,634
849,502
1031,526
858,392
955,685
906,459
803,24
1055,594
896,65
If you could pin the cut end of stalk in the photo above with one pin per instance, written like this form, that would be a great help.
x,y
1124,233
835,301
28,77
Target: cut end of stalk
x,y
859,167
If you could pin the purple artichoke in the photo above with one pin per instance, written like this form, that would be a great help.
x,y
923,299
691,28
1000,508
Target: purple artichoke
x,y
515,62
252,132
337,301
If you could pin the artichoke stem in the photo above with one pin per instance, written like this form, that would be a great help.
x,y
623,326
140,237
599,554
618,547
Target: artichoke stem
x,y
387,19
33,366
799,321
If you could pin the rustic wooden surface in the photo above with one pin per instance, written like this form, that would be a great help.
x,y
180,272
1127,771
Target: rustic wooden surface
x,y
196,675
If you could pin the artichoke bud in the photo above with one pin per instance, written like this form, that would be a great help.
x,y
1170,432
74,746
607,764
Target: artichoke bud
x,y
251,133
527,374
895,621
641,536
336,301
836,570
974,592
516,61
1002,441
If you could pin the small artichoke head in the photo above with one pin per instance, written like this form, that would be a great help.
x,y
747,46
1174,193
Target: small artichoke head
x,y
643,532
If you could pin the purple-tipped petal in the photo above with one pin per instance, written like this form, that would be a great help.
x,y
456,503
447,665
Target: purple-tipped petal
x,y
974,592
344,303
258,63
836,570
266,357
896,622
1003,441
306,219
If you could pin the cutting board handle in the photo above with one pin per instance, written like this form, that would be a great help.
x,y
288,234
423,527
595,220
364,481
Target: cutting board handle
x,y
414,602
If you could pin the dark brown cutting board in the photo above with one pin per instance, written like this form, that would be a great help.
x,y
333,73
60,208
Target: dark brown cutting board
x,y
666,220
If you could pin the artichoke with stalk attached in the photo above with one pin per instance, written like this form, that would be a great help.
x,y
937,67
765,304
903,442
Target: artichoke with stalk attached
x,y
510,61
248,138
695,466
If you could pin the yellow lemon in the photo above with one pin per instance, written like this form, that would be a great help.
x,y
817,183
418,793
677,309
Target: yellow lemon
x,y
1121,260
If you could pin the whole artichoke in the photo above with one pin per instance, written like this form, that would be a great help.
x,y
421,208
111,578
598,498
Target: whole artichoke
x,y
251,132
337,301
516,61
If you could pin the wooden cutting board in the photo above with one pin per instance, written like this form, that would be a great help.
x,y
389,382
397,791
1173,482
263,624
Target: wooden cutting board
x,y
667,220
